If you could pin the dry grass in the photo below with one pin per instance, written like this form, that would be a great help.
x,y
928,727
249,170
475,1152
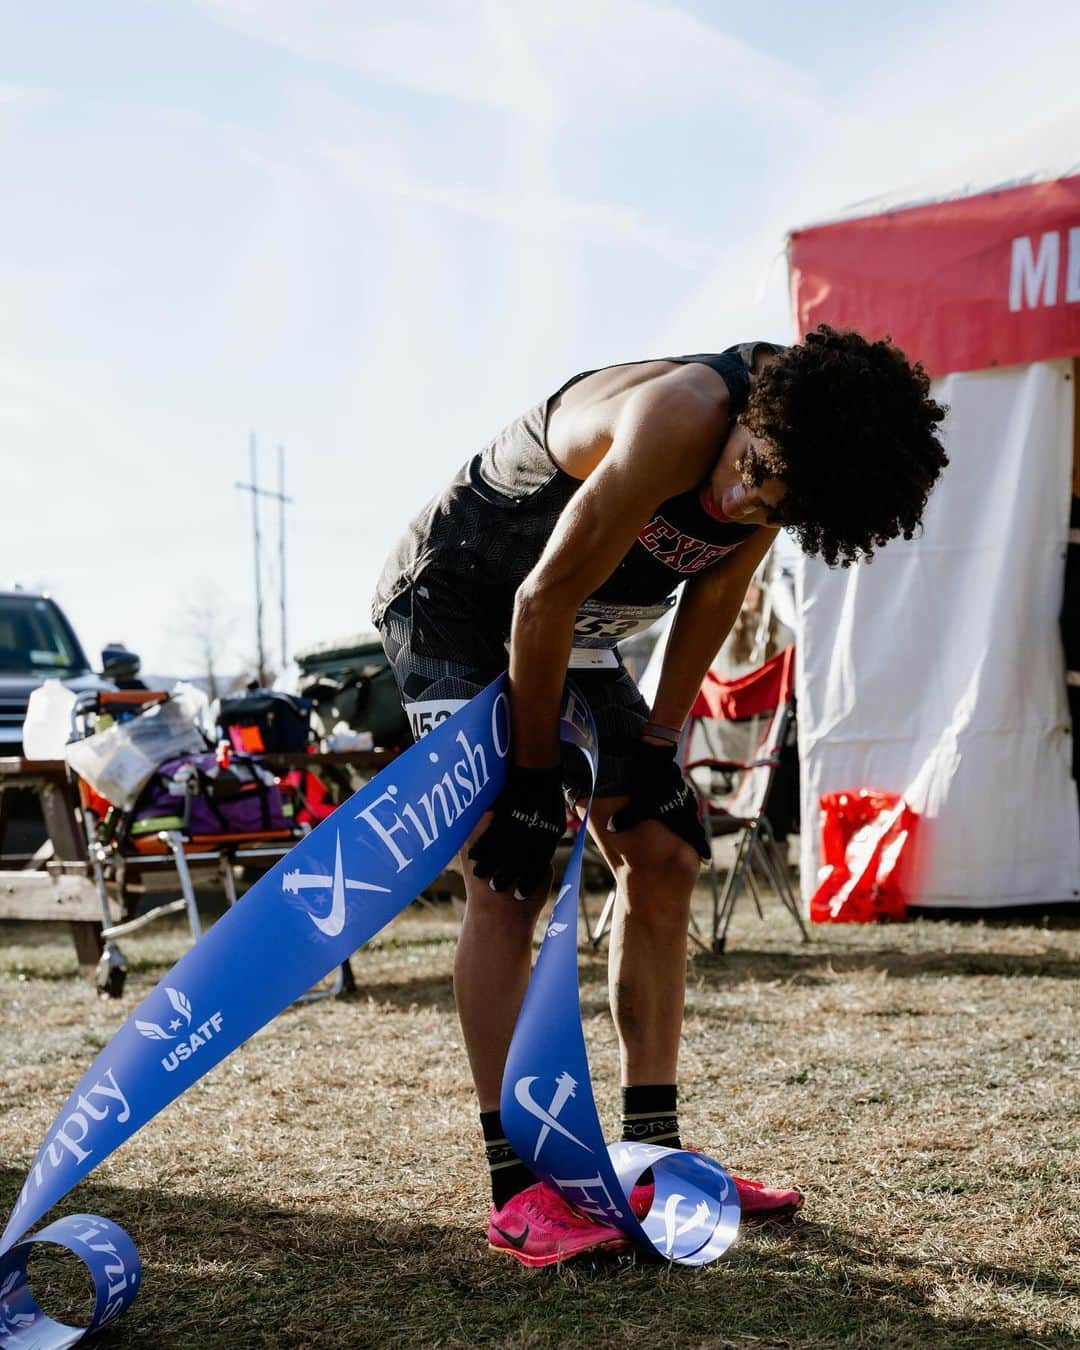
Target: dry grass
x,y
325,1187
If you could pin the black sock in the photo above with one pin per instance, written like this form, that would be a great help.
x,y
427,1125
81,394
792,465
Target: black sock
x,y
509,1175
650,1114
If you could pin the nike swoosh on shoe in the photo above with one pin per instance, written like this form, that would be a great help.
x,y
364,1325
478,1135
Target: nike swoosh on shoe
x,y
519,1241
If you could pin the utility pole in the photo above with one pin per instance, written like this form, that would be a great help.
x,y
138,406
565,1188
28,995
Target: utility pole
x,y
257,492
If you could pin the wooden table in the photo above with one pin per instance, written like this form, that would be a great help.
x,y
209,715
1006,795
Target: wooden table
x,y
61,888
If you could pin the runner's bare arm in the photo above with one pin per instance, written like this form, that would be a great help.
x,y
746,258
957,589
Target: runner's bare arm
x,y
663,442
708,608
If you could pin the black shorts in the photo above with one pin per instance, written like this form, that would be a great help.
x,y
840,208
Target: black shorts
x,y
443,651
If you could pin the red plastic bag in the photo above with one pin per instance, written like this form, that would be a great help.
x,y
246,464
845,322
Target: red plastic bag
x,y
866,857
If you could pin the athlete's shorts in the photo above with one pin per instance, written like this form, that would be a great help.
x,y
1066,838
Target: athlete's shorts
x,y
444,650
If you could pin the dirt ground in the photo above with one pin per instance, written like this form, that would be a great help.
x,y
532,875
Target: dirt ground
x,y
325,1186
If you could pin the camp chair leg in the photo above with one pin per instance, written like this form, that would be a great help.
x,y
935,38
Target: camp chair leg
x,y
778,867
694,931
344,983
595,935
722,921
584,916
787,895
751,879
791,904
133,925
175,844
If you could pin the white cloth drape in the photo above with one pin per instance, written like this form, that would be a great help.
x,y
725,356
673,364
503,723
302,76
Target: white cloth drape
x,y
937,669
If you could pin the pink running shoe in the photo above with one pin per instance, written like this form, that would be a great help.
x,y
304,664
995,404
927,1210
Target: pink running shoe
x,y
539,1228
758,1202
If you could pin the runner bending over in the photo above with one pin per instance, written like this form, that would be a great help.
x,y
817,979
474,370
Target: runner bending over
x,y
569,530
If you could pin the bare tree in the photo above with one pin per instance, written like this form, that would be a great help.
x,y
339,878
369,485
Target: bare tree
x,y
207,627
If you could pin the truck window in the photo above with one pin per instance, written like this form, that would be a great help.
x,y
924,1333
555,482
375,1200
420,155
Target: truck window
x,y
35,639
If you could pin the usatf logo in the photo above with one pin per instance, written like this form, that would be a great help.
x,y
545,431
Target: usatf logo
x,y
188,1039
331,924
181,1005
549,1116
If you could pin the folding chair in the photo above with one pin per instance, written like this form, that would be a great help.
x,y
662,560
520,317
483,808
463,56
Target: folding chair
x,y
734,791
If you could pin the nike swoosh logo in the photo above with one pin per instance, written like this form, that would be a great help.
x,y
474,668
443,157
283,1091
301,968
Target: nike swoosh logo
x,y
292,883
335,920
519,1241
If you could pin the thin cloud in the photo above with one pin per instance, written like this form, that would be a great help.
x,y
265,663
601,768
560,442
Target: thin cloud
x,y
603,54
25,94
551,214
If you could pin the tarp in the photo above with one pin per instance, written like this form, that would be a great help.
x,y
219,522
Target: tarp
x,y
981,281
937,671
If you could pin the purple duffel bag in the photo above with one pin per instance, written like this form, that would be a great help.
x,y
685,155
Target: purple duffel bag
x,y
197,795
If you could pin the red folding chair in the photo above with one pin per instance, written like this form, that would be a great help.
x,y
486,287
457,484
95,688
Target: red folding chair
x,y
734,791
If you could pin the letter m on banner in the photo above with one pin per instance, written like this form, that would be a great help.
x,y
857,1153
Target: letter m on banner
x,y
1033,277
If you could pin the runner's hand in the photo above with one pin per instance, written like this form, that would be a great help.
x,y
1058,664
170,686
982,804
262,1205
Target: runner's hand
x,y
658,791
515,850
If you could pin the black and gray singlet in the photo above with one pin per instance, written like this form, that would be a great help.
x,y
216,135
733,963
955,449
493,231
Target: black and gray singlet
x,y
484,533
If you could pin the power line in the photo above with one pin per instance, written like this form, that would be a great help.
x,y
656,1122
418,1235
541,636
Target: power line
x,y
256,492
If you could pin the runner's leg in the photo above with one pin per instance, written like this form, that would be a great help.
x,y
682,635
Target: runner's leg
x,y
655,872
441,657
491,971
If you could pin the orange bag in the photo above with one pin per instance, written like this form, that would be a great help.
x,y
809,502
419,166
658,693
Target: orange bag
x,y
866,857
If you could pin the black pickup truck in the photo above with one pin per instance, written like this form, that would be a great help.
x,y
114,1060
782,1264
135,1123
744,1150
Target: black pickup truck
x,y
37,643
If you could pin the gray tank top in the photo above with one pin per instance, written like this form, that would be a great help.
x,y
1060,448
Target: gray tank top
x,y
485,531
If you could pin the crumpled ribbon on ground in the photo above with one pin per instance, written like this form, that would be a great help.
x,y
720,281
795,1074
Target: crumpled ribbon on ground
x,y
334,891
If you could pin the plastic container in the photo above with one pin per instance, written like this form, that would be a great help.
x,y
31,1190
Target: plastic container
x,y
119,762
48,721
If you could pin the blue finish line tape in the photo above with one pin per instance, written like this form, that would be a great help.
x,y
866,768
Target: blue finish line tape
x,y
333,892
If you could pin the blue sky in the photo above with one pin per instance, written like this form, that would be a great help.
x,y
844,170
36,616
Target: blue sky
x,y
374,232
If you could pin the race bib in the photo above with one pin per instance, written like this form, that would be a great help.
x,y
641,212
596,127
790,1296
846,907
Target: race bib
x,y
600,627
426,715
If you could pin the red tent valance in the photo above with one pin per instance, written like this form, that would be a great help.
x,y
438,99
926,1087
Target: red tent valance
x,y
988,280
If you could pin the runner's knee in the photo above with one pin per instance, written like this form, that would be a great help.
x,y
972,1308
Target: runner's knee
x,y
486,906
659,867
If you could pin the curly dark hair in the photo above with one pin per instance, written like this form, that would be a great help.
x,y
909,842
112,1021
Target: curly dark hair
x,y
849,425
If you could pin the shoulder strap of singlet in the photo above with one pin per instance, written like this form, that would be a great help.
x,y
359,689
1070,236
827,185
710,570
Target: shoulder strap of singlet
x,y
734,365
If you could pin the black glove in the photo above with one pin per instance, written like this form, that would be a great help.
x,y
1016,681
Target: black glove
x,y
515,850
658,791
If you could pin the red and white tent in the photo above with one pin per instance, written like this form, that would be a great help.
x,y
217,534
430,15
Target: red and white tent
x,y
937,670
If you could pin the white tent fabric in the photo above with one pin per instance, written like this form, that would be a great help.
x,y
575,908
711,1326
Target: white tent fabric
x,y
937,670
